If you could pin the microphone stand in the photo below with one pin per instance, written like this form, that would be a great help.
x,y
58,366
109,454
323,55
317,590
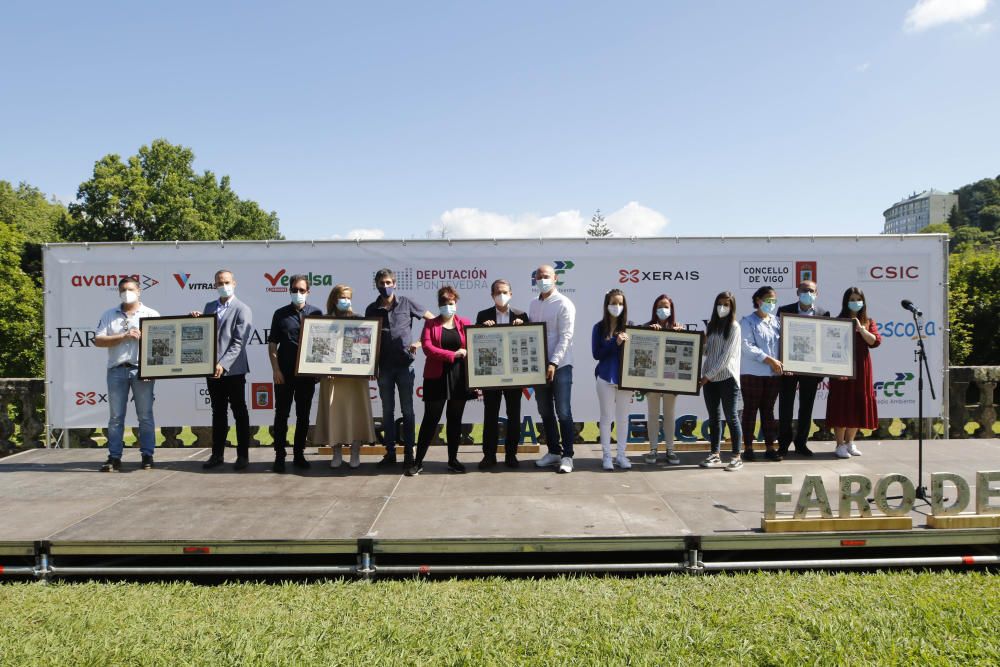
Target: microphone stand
x,y
920,356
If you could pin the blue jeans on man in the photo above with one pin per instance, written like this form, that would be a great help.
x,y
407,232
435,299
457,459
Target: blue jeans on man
x,y
555,409
121,380
389,379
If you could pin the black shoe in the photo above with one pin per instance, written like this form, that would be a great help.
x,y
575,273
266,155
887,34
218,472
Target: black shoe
x,y
112,465
212,462
510,460
487,462
147,462
414,469
748,455
241,463
301,463
783,450
772,455
803,450
455,466
387,461
279,464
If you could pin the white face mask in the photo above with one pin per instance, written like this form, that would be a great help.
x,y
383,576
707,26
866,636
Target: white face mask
x,y
501,299
546,285
226,290
448,310
298,298
615,309
723,311
128,297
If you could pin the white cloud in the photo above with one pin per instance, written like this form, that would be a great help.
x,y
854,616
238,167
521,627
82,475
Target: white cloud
x,y
363,233
863,67
633,219
931,13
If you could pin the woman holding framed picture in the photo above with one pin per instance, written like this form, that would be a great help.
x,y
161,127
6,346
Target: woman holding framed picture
x,y
664,318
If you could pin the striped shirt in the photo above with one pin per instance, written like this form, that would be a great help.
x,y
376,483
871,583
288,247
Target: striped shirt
x,y
722,356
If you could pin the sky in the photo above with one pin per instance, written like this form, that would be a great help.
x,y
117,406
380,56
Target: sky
x,y
499,119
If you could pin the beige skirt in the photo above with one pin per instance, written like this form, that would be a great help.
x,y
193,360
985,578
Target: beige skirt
x,y
344,414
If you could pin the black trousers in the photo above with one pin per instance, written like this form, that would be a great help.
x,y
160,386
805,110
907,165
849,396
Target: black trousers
x,y
301,390
807,386
491,413
453,426
229,391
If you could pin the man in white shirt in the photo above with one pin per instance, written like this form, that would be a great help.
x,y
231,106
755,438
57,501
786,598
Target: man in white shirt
x,y
554,398
118,331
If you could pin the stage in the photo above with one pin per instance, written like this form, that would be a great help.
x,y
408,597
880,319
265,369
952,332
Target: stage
x,y
62,517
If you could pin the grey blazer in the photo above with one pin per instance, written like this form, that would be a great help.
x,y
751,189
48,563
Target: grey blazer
x,y
233,330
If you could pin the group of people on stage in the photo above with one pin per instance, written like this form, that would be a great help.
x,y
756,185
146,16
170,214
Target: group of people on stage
x,y
741,377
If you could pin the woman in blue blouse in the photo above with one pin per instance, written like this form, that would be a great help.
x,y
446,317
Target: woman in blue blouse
x,y
760,372
606,344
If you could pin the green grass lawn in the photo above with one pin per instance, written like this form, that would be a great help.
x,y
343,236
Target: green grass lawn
x,y
761,618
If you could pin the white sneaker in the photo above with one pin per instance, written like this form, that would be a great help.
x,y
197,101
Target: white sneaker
x,y
842,452
672,458
355,455
338,457
566,464
713,461
735,463
606,462
650,457
548,460
853,450
622,462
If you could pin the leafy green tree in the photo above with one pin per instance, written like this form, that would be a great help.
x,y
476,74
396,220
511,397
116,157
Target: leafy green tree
x,y
156,196
937,228
37,220
974,306
21,350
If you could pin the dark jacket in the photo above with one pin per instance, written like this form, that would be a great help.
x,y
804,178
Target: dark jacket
x,y
491,314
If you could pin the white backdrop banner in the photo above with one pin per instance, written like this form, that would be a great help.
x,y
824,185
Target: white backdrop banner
x,y
81,280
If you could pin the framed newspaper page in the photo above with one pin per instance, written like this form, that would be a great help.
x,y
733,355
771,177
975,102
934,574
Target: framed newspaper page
x,y
505,355
820,346
660,360
338,346
176,347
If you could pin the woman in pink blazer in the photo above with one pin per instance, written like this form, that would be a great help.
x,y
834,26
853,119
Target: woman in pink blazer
x,y
443,342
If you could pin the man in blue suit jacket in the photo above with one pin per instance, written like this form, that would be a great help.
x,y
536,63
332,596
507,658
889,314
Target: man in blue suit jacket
x,y
227,388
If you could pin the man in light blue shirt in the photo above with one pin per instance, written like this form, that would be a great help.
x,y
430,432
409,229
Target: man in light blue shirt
x,y
118,330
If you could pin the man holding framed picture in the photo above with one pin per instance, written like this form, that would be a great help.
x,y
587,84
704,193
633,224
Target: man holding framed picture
x,y
806,384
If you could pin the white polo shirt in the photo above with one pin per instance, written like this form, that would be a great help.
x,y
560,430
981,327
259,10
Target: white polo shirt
x,y
115,322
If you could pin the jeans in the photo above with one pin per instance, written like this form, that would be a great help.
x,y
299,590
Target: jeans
x,y
226,391
120,380
654,399
300,390
389,379
554,400
428,427
724,392
491,414
786,406
614,404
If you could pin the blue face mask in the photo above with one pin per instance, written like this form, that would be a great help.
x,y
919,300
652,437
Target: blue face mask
x,y
807,298
386,290
856,306
546,285
663,313
769,307
448,310
343,305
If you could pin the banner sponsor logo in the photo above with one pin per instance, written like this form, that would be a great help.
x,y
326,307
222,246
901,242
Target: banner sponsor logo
x,y
472,278
775,274
806,271
262,394
561,267
904,329
638,275
279,280
90,398
184,282
894,390
74,337
882,272
110,280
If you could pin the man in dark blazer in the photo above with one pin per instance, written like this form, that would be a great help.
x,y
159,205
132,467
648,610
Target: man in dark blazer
x,y
807,384
227,388
501,313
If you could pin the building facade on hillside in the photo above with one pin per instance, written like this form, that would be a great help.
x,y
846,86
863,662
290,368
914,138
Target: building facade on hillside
x,y
917,211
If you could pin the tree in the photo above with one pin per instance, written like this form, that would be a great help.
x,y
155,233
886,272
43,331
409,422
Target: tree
x,y
21,351
974,306
597,227
36,219
157,196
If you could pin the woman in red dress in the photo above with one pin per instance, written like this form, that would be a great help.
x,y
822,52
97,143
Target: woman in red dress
x,y
851,402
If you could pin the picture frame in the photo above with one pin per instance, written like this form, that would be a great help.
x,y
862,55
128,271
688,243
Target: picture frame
x,y
506,356
817,346
661,360
347,346
177,347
